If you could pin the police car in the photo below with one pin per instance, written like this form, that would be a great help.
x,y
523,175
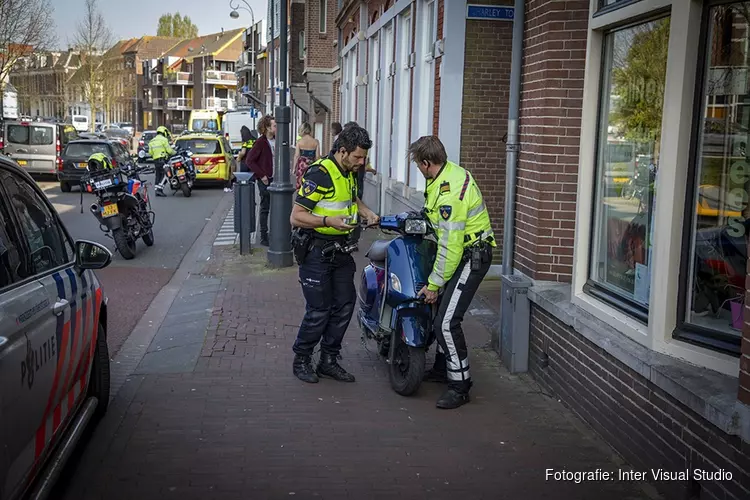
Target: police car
x,y
54,363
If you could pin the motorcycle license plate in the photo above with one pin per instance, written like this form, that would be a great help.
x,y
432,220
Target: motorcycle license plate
x,y
103,183
110,210
180,171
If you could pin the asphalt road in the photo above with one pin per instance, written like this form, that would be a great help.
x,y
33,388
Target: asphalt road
x,y
132,285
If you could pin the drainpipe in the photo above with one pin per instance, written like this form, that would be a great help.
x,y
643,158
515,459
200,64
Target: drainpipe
x,y
512,146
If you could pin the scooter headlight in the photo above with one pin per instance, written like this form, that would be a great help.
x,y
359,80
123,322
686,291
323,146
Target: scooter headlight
x,y
395,283
415,226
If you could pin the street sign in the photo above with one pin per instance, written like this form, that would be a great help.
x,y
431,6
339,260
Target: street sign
x,y
489,13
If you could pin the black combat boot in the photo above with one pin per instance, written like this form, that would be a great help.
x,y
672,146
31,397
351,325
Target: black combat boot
x,y
457,395
329,367
303,369
264,239
439,371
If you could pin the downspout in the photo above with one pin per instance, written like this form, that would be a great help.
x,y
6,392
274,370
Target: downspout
x,y
513,145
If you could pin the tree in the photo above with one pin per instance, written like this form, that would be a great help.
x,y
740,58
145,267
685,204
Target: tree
x,y
638,79
25,26
92,39
176,26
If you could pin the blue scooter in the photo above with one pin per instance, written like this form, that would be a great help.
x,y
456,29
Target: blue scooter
x,y
390,312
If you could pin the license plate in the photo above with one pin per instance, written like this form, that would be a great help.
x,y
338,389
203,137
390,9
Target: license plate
x,y
83,165
180,171
22,162
110,210
103,184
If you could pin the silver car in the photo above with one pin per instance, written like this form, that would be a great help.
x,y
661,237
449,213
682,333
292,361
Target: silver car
x,y
37,146
54,363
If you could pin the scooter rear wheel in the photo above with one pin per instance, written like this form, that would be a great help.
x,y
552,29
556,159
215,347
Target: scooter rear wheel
x,y
407,368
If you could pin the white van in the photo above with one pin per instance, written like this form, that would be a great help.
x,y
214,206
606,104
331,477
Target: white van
x,y
81,123
231,125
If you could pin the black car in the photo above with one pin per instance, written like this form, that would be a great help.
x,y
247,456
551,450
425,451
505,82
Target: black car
x,y
76,155
119,134
146,137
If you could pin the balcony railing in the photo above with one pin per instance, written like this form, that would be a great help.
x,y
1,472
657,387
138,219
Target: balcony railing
x,y
215,77
179,103
158,103
245,61
156,79
180,78
219,104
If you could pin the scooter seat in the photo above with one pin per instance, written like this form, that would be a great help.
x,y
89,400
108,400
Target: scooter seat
x,y
378,251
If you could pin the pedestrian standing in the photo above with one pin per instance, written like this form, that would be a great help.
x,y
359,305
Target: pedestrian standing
x,y
335,130
160,150
248,139
260,162
306,152
324,217
457,212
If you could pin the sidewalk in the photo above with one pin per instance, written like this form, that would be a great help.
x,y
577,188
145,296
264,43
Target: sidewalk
x,y
213,411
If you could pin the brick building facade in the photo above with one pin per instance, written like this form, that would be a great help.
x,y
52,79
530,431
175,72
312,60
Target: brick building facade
x,y
631,198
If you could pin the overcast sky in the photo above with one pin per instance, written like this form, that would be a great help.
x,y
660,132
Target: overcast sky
x,y
135,18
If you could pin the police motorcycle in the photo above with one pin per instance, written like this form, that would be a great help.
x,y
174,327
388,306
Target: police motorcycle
x,y
390,311
123,206
179,171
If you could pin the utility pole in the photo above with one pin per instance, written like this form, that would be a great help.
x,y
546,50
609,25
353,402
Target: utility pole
x,y
271,55
281,189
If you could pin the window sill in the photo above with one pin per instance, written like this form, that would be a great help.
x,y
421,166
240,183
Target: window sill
x,y
710,394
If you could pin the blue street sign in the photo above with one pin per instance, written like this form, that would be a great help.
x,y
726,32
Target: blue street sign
x,y
489,12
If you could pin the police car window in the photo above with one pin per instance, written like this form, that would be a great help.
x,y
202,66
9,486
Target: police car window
x,y
13,267
44,237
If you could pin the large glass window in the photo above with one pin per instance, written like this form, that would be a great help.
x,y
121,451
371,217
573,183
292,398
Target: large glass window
x,y
719,213
627,164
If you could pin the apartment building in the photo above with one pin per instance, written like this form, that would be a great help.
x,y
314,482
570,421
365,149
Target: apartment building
x,y
41,80
631,197
251,70
199,73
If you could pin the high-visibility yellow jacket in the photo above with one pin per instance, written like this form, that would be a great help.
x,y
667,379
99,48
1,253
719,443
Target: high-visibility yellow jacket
x,y
456,209
327,192
248,144
159,148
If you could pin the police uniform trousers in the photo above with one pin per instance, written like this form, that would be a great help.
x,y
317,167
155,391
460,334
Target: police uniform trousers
x,y
455,301
328,287
159,171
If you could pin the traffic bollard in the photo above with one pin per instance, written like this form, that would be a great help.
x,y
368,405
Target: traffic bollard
x,y
244,209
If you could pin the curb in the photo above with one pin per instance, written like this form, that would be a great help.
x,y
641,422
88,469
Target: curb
x,y
133,350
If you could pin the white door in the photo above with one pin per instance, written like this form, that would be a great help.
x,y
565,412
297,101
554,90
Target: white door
x,y
402,99
386,104
374,74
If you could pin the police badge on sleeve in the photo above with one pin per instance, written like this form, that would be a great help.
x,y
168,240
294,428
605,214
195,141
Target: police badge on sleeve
x,y
446,211
308,188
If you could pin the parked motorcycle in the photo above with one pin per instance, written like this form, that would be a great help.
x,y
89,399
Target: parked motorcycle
x,y
123,208
180,173
390,312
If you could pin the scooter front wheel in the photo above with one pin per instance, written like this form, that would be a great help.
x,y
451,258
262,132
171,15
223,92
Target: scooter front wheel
x,y
407,368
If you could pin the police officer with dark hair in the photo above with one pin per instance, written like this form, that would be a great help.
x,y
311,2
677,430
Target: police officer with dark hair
x,y
325,217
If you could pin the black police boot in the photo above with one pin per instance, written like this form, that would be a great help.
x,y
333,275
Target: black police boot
x,y
457,395
303,369
264,239
329,367
439,371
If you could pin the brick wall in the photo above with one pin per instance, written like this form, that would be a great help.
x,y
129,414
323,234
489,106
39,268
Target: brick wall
x,y
320,46
436,115
485,111
336,112
554,60
744,391
296,65
649,428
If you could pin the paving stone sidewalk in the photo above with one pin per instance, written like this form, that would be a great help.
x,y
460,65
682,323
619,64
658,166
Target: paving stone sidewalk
x,y
213,411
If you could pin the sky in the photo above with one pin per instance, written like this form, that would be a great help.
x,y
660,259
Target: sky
x,y
135,18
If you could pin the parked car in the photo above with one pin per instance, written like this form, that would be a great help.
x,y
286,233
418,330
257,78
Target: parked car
x,y
127,126
212,156
119,134
76,155
37,146
53,337
146,137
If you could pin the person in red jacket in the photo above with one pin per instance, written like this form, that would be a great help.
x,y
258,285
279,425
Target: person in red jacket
x,y
260,162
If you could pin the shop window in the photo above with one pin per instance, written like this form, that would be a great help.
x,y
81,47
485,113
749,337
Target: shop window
x,y
627,165
718,218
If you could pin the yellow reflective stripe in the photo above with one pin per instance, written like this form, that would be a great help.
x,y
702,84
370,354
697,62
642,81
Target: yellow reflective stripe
x,y
333,205
476,211
451,226
437,276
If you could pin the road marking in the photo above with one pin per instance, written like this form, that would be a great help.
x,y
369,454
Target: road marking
x,y
226,235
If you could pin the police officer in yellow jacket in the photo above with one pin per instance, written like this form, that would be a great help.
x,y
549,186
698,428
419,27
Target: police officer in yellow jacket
x,y
160,151
325,216
456,210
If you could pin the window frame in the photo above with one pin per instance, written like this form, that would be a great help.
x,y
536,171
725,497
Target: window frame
x,y
685,331
68,242
323,16
594,288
